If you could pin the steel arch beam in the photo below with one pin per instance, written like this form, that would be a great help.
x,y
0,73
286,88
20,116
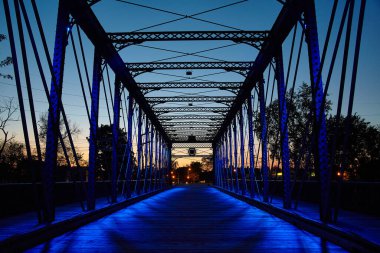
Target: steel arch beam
x,y
125,39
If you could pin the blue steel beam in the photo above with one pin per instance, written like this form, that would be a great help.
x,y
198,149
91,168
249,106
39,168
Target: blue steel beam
x,y
151,157
263,121
146,150
115,140
242,169
129,147
321,152
95,91
61,37
236,169
251,146
283,129
139,151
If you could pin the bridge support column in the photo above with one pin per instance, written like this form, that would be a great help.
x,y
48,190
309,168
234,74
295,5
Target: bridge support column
x,y
283,129
160,174
236,169
224,162
230,158
156,160
319,122
251,146
243,179
139,151
129,147
263,121
146,153
93,130
115,140
151,158
169,161
61,36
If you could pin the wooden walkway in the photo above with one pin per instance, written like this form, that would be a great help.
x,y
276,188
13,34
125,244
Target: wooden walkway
x,y
193,218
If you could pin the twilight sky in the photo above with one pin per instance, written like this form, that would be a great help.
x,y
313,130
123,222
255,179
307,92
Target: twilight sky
x,y
116,16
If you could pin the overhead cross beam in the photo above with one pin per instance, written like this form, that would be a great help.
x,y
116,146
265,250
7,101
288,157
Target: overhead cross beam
x,y
190,123
242,67
125,39
198,144
191,129
199,139
162,110
196,117
187,85
219,99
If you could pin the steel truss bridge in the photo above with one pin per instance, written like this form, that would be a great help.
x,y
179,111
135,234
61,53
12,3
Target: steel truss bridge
x,y
245,123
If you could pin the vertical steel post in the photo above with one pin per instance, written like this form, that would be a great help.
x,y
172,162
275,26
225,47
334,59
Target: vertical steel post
x,y
151,158
139,151
283,129
234,127
169,162
230,156
243,179
321,151
50,166
227,162
263,121
129,147
146,153
115,140
159,167
93,150
223,163
214,161
251,147
156,160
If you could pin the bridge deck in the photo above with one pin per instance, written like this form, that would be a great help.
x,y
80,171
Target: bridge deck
x,y
194,218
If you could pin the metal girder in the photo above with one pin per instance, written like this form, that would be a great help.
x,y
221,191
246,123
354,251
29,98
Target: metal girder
x,y
192,145
124,39
140,67
221,99
196,117
200,139
190,109
192,129
190,123
187,85
86,19
288,17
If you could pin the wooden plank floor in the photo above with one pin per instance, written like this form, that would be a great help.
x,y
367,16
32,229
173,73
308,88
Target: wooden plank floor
x,y
194,218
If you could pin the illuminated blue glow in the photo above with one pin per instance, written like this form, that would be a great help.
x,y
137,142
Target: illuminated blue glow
x,y
193,218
